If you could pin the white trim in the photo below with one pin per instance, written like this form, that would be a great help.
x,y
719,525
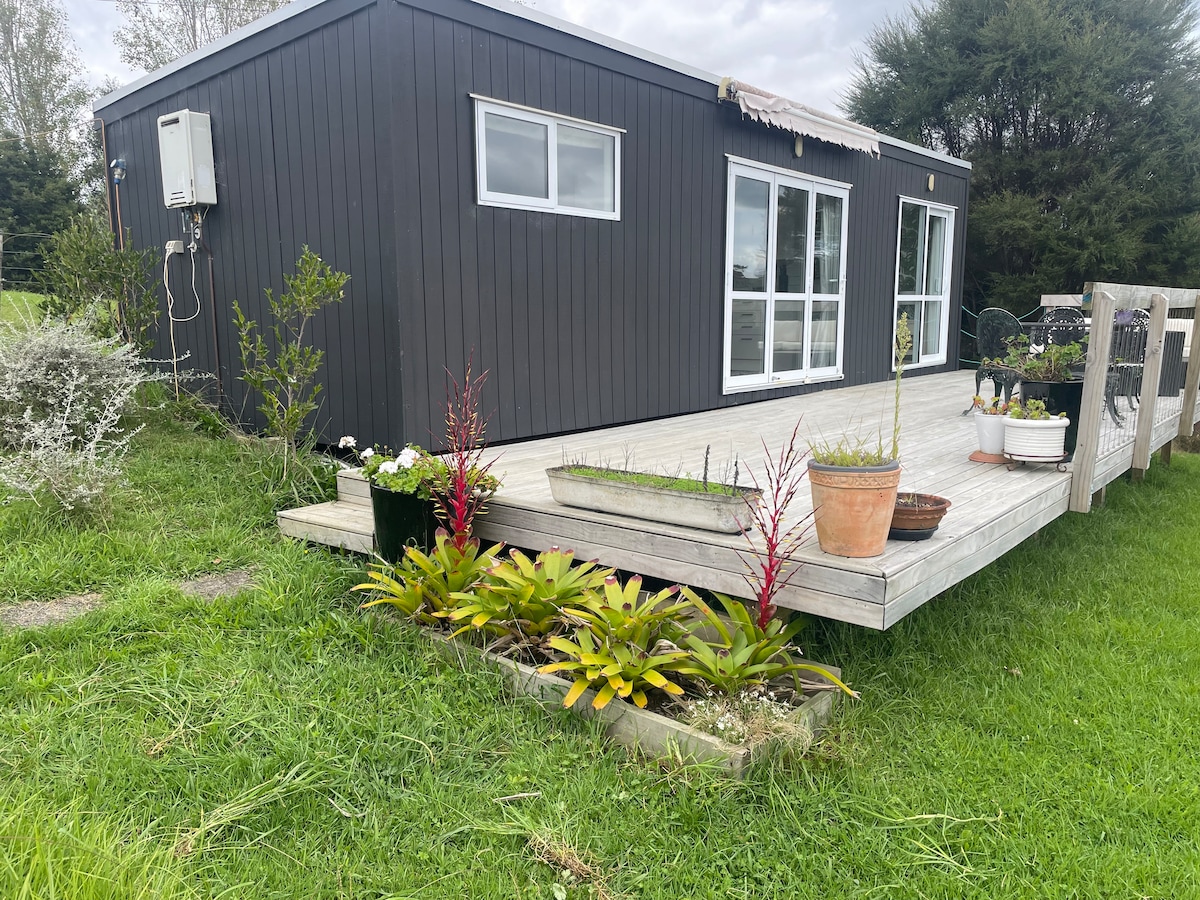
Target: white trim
x,y
793,382
541,112
504,6
948,213
767,380
790,173
551,121
929,203
923,151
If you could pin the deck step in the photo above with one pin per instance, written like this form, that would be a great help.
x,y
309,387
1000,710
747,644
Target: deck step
x,y
353,488
345,524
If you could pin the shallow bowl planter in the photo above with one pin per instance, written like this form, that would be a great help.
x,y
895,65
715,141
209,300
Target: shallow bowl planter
x,y
640,730
853,506
1035,440
917,516
725,513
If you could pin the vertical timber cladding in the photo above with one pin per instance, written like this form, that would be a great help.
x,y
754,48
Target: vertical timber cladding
x,y
584,322
300,135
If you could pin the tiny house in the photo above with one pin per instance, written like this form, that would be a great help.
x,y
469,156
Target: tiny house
x,y
612,235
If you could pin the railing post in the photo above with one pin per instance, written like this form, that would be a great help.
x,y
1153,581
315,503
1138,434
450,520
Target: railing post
x,y
1095,376
1152,362
1187,415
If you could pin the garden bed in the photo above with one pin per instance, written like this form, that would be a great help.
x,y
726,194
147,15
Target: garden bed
x,y
644,731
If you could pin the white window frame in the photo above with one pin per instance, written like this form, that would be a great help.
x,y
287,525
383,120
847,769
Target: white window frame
x,y
485,105
948,212
734,384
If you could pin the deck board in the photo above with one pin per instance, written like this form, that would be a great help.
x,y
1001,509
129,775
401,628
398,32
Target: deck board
x,y
993,508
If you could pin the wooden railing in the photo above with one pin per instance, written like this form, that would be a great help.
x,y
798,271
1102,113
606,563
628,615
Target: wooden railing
x,y
1105,449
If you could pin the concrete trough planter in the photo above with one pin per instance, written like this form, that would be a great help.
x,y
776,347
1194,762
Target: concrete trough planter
x,y
724,513
642,731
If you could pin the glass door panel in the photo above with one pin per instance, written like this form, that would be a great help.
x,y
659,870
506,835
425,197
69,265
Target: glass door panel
x,y
827,245
751,213
791,244
935,257
788,342
748,338
824,348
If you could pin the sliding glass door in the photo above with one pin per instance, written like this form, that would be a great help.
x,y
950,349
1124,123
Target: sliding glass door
x,y
784,278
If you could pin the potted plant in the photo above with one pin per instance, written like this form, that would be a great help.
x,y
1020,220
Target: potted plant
x,y
676,500
1032,434
402,498
989,428
1051,374
917,516
854,483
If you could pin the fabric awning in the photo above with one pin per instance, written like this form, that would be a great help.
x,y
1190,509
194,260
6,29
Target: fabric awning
x,y
771,109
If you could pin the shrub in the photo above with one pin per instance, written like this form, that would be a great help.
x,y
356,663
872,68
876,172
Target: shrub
x,y
63,393
86,275
284,371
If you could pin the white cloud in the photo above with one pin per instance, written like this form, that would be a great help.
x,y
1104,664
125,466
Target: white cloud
x,y
802,49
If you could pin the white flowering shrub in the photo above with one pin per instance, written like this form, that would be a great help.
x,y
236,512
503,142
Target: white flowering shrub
x,y
63,394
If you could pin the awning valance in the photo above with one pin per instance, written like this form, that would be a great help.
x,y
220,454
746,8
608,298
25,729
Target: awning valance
x,y
771,109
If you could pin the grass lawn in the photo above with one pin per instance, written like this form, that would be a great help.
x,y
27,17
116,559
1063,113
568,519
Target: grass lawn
x,y
1034,732
14,304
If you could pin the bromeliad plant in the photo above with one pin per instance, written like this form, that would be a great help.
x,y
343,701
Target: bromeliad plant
x,y
520,597
424,586
743,654
623,643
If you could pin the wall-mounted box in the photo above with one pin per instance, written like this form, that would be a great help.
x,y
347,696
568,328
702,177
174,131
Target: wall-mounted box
x,y
186,150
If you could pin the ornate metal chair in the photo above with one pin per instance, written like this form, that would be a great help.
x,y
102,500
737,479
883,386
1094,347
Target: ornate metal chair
x,y
993,330
1131,331
1060,325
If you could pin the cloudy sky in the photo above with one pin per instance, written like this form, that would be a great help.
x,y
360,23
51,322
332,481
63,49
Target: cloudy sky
x,y
803,49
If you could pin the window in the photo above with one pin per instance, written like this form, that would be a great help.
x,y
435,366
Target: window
x,y
527,159
785,276
923,277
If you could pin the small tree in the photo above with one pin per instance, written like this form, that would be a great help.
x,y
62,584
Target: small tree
x,y
84,270
285,376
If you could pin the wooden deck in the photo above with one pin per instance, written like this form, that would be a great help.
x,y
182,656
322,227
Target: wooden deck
x,y
993,510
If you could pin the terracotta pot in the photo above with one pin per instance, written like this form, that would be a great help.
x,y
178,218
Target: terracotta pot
x,y
853,506
919,512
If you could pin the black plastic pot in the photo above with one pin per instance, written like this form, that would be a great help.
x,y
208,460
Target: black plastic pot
x,y
1059,397
401,521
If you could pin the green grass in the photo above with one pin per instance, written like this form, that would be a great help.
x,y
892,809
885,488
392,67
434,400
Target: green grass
x,y
15,305
649,479
1031,733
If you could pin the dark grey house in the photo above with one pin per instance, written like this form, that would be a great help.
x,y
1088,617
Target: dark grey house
x,y
615,236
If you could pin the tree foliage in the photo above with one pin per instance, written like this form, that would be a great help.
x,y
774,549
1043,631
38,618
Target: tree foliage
x,y
37,197
1080,120
160,31
86,275
42,93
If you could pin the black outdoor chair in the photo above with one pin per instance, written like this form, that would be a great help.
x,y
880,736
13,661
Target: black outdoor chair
x,y
993,331
1131,331
1060,325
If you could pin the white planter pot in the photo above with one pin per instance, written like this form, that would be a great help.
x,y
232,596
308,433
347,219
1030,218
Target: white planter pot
x,y
726,513
990,430
1035,440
